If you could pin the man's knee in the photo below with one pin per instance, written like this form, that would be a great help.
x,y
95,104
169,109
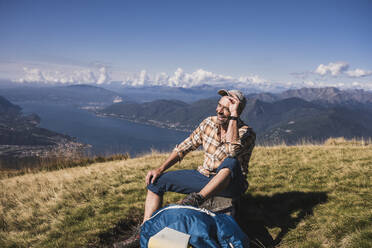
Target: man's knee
x,y
225,171
234,161
155,189
159,186
232,164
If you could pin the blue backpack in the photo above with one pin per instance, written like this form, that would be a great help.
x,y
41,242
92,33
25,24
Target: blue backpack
x,y
206,229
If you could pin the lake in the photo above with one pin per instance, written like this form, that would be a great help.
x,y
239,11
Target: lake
x,y
106,135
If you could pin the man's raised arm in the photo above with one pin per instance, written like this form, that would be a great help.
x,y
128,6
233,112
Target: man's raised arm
x,y
232,133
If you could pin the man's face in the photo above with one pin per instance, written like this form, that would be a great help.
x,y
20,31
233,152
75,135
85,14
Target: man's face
x,y
222,110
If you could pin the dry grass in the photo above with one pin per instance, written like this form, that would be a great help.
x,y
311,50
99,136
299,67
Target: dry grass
x,y
340,141
340,174
305,196
38,164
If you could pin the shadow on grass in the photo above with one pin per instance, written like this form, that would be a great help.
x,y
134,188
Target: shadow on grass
x,y
282,210
122,229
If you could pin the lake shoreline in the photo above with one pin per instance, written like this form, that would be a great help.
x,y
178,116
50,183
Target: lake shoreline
x,y
107,134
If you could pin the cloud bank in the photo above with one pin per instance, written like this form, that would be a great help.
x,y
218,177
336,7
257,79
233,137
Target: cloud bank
x,y
102,75
334,74
180,78
81,76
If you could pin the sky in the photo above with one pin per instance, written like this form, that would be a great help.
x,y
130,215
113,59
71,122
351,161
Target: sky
x,y
187,43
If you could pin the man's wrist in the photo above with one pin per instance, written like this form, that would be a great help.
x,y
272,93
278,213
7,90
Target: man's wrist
x,y
234,114
235,118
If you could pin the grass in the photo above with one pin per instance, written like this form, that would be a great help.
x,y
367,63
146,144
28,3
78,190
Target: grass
x,y
37,164
299,196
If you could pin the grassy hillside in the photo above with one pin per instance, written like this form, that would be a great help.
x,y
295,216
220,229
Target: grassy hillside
x,y
301,196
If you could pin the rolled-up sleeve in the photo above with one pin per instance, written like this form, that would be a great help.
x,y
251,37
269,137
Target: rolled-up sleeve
x,y
191,143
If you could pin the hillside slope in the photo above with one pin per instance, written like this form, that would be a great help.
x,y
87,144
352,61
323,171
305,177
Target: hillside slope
x,y
302,196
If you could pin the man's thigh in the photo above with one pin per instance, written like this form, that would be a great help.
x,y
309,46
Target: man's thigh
x,y
180,181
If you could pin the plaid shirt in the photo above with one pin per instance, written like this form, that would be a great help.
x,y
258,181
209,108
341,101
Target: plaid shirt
x,y
217,149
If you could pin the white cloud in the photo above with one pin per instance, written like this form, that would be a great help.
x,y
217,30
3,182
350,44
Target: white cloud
x,y
340,68
309,83
103,76
252,79
68,76
85,75
180,78
32,75
358,73
161,79
137,80
334,74
198,77
334,69
142,80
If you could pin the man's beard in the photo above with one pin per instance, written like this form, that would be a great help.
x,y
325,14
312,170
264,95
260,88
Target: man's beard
x,y
223,121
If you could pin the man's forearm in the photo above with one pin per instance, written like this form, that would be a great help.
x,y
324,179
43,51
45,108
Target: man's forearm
x,y
169,162
152,175
232,133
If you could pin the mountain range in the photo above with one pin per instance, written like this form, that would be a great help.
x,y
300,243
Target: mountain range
x,y
291,116
328,96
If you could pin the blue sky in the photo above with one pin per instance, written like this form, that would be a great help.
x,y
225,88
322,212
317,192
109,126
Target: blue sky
x,y
280,42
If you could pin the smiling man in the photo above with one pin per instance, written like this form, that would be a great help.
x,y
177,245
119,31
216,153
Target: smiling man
x,y
227,144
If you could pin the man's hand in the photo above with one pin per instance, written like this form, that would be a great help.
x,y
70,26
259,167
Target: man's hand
x,y
152,175
234,105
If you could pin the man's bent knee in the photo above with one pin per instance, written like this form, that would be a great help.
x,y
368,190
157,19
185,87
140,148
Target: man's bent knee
x,y
232,161
232,164
225,171
155,189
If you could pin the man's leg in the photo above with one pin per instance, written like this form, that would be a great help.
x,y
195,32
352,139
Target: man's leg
x,y
227,182
153,202
181,181
218,183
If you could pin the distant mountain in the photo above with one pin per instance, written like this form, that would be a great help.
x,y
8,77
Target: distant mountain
x,y
21,137
290,119
168,113
7,108
293,119
189,95
151,93
81,95
327,95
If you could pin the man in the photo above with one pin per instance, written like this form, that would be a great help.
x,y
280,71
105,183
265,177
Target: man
x,y
227,143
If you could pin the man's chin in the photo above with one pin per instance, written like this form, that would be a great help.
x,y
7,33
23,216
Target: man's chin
x,y
222,120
